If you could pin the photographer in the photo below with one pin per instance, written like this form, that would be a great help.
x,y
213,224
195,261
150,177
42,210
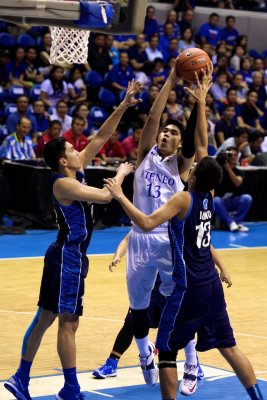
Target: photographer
x,y
228,198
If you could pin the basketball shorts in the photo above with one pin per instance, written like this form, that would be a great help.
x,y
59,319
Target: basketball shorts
x,y
148,254
201,310
62,286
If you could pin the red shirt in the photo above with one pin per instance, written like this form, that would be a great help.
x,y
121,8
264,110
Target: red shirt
x,y
78,143
40,144
113,150
129,144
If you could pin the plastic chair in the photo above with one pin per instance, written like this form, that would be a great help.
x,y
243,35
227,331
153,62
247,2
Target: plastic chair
x,y
34,92
16,91
93,79
7,40
107,98
24,40
97,115
9,109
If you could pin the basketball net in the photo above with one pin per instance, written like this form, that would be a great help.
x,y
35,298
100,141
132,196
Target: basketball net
x,y
69,45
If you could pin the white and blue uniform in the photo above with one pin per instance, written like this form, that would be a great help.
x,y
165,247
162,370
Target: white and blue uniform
x,y
156,180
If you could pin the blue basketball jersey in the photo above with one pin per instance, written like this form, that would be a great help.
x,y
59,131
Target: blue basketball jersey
x,y
75,222
190,243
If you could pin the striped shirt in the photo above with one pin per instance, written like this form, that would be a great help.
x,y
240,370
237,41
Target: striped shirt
x,y
14,149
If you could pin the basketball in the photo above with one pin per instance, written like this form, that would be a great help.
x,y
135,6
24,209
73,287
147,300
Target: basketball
x,y
191,61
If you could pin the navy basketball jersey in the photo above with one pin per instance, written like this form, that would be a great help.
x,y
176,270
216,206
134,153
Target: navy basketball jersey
x,y
75,222
190,242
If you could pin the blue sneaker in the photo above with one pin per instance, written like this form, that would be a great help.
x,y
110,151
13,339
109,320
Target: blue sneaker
x,y
200,374
69,392
14,386
109,369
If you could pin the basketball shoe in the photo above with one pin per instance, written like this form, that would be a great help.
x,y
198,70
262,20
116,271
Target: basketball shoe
x,y
200,374
14,386
148,366
109,369
188,384
70,392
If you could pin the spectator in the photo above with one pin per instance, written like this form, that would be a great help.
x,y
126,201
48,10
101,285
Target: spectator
x,y
229,197
18,145
241,88
75,134
144,107
237,55
220,87
158,74
210,32
137,53
32,72
258,86
229,33
22,104
188,107
76,86
171,19
220,50
41,116
231,100
250,113
4,60
171,51
215,116
151,25
242,40
258,65
130,143
223,67
186,20
82,111
255,141
112,50
16,68
113,151
54,88
167,35
173,109
61,115
121,74
225,128
246,69
124,42
186,41
152,50
182,5
52,132
240,141
98,55
44,52
211,129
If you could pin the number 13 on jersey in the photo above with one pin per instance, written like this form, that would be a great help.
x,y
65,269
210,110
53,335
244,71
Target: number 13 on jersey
x,y
203,237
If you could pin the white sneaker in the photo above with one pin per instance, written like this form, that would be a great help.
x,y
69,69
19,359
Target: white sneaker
x,y
188,384
242,228
148,366
233,227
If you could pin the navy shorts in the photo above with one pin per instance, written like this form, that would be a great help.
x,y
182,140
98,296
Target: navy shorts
x,y
201,310
62,286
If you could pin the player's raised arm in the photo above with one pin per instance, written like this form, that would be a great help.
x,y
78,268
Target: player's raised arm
x,y
111,123
150,130
178,205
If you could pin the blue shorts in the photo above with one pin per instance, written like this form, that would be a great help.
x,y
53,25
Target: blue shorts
x,y
62,286
201,310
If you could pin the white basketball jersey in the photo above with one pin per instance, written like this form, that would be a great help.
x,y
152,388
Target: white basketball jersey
x,y
155,181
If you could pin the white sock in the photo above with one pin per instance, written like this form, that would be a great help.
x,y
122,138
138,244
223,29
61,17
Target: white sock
x,y
190,353
142,344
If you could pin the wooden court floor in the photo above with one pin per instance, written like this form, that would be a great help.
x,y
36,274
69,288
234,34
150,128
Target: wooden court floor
x,y
106,304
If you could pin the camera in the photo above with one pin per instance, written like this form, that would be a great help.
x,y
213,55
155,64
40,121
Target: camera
x,y
224,156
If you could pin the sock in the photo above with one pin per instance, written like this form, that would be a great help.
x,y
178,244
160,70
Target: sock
x,y
71,377
115,356
23,372
142,344
190,353
254,392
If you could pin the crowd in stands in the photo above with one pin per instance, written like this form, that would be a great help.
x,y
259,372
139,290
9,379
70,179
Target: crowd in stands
x,y
40,101
248,5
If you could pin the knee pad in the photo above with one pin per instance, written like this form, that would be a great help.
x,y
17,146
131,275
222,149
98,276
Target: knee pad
x,y
167,359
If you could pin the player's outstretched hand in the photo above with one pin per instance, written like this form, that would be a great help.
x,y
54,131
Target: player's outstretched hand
x,y
203,86
134,87
116,260
225,277
125,169
113,187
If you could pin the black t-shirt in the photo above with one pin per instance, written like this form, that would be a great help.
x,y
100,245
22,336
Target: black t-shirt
x,y
227,188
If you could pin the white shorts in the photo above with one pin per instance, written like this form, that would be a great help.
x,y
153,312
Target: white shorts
x,y
148,254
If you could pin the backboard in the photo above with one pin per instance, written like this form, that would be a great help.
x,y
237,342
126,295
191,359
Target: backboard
x,y
127,16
